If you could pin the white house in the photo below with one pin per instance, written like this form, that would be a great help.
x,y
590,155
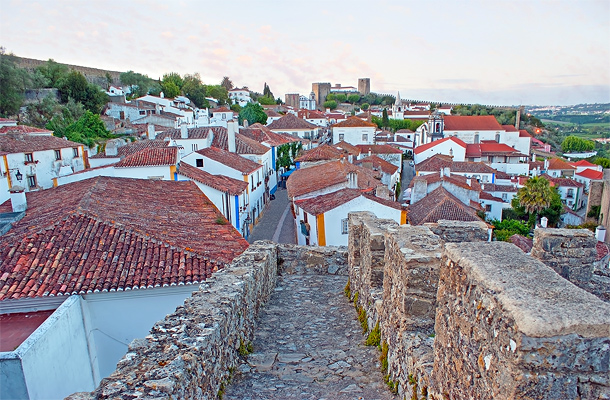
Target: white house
x,y
570,191
390,173
293,125
354,131
190,139
313,117
307,103
322,220
240,96
586,176
33,161
220,116
449,146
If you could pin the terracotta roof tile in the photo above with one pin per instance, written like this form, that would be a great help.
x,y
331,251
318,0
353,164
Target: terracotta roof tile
x,y
290,122
134,147
440,204
354,122
107,233
438,161
243,144
471,123
559,164
219,182
491,149
457,180
378,149
151,157
262,134
562,181
321,204
584,163
350,148
23,129
522,242
193,133
323,152
510,128
378,164
591,174
229,159
17,143
328,175
424,147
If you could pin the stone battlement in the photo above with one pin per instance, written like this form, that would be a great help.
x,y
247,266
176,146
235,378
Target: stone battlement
x,y
458,317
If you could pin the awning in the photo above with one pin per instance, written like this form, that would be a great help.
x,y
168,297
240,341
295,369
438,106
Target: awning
x,y
287,173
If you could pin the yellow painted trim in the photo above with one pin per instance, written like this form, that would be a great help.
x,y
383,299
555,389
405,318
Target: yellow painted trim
x,y
8,173
54,182
321,232
246,180
403,217
172,172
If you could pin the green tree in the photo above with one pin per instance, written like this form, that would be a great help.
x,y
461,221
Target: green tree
x,y
253,113
266,100
53,72
87,130
226,83
353,98
365,106
331,96
138,84
604,162
535,196
11,93
219,93
170,89
385,121
39,113
195,91
340,97
267,92
75,86
236,108
506,228
332,104
574,144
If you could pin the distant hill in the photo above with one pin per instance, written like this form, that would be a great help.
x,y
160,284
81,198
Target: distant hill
x,y
93,75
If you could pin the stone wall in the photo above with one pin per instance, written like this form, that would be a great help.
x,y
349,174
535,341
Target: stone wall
x,y
459,231
509,327
485,321
191,353
306,260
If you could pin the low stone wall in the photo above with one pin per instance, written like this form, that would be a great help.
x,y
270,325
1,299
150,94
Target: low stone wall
x,y
307,260
459,231
509,327
191,353
485,321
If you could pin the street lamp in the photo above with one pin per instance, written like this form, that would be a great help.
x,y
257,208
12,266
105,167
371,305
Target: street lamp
x,y
19,175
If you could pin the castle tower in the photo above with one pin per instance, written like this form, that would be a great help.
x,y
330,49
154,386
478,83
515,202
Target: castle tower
x,y
364,86
320,91
292,100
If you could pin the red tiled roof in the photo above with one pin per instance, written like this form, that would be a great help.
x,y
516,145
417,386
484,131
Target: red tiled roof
x,y
222,183
457,180
378,164
424,147
229,159
114,234
133,148
491,149
354,122
524,133
562,181
378,149
440,204
7,120
584,163
472,123
17,143
290,122
489,196
24,129
438,161
404,131
348,147
510,128
536,164
602,250
321,204
243,144
559,164
221,109
591,174
321,153
262,134
333,173
272,113
151,157
492,187
311,114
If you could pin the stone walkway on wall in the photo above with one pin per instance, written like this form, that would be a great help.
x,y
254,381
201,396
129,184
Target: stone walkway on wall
x,y
308,345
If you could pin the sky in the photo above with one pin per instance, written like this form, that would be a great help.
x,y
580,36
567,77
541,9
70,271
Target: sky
x,y
492,52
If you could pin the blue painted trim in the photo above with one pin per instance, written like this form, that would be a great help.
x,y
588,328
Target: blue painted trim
x,y
273,158
273,189
493,178
237,211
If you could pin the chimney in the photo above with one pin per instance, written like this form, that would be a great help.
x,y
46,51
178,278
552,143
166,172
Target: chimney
x,y
369,152
352,180
150,131
447,172
245,123
600,233
420,189
546,164
382,192
157,109
18,199
162,95
184,132
112,148
469,182
482,186
534,157
441,172
231,131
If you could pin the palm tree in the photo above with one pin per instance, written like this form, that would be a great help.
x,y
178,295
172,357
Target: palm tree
x,y
536,195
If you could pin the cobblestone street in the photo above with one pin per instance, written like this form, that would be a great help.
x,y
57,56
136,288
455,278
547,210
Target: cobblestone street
x,y
308,345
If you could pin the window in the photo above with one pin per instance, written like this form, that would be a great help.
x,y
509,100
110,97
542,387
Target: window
x,y
570,193
194,146
341,136
29,157
365,137
32,182
487,207
504,196
344,226
199,162
142,112
75,151
57,155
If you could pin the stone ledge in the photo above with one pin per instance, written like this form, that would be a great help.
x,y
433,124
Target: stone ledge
x,y
517,279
